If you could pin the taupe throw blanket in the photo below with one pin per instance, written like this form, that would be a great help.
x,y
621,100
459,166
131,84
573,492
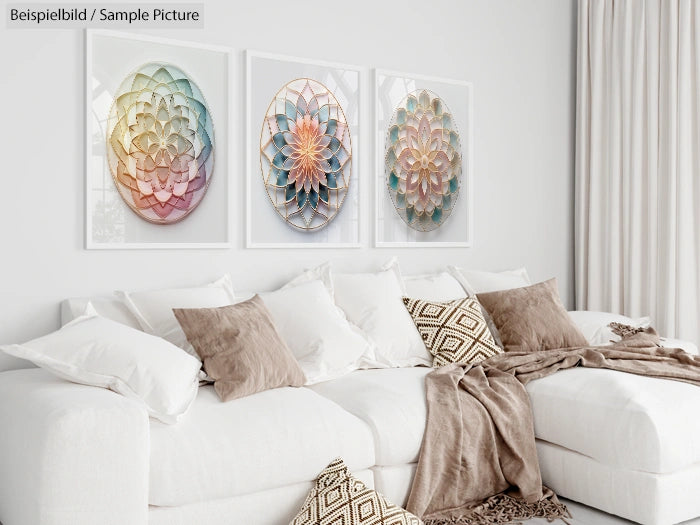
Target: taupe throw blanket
x,y
478,463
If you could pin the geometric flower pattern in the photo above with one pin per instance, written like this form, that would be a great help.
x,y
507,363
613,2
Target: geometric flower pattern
x,y
423,160
305,154
160,143
453,331
340,499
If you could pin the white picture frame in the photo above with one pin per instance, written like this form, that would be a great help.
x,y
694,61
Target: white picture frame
x,y
390,231
266,73
109,57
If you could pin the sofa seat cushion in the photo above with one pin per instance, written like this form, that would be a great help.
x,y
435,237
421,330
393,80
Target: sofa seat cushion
x,y
263,441
619,419
266,507
392,402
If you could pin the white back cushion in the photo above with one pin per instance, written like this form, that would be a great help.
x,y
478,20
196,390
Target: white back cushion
x,y
475,282
108,307
153,309
372,301
433,287
315,329
321,272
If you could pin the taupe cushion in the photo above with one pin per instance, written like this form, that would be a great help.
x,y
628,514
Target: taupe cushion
x,y
240,348
453,331
532,318
338,498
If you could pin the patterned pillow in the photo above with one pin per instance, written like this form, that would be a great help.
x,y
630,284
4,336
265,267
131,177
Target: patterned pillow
x,y
339,498
453,331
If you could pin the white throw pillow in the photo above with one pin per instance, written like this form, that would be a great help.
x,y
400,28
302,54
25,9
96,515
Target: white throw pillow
x,y
433,287
373,302
321,272
475,282
95,351
594,325
154,308
323,342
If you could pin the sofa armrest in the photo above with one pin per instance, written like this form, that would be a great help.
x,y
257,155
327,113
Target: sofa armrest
x,y
70,454
592,324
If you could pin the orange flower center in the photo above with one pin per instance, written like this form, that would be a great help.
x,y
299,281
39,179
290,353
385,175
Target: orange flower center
x,y
308,137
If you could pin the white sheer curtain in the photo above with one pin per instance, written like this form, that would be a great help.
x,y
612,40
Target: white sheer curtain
x,y
638,161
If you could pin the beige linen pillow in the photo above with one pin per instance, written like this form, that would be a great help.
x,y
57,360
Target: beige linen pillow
x,y
339,498
240,348
532,318
453,331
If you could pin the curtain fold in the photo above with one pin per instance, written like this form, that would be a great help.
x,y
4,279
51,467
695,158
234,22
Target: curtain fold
x,y
637,238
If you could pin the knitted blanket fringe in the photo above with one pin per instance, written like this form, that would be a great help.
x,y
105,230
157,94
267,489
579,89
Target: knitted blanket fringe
x,y
501,509
625,330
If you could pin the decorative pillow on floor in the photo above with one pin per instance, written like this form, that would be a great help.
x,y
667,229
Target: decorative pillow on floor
x,y
338,498
240,348
532,318
453,331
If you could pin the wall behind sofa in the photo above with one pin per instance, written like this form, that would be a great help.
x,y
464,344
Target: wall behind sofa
x,y
520,56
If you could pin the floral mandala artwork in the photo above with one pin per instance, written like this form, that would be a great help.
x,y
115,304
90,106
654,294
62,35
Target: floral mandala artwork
x,y
160,143
423,160
305,154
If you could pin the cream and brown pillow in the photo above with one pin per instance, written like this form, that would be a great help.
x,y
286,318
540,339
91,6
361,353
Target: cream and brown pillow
x,y
532,318
453,331
240,348
339,498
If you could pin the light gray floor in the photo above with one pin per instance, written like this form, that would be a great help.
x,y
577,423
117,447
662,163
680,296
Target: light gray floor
x,y
583,515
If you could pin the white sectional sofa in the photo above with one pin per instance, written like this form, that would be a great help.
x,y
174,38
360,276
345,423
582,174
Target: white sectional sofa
x,y
78,455
73,454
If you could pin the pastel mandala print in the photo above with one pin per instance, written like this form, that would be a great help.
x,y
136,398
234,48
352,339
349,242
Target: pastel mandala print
x,y
160,143
423,161
305,154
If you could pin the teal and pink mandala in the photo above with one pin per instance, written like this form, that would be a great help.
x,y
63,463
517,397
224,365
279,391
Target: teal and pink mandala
x,y
305,154
423,161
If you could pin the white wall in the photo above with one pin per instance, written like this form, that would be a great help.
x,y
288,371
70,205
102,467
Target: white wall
x,y
519,55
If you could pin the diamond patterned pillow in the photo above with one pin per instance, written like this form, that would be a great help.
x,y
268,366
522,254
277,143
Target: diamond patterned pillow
x,y
340,499
453,331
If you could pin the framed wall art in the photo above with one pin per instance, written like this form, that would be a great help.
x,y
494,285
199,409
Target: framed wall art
x,y
424,161
303,151
157,135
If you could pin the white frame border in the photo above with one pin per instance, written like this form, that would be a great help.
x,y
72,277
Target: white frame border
x,y
231,66
362,74
379,163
